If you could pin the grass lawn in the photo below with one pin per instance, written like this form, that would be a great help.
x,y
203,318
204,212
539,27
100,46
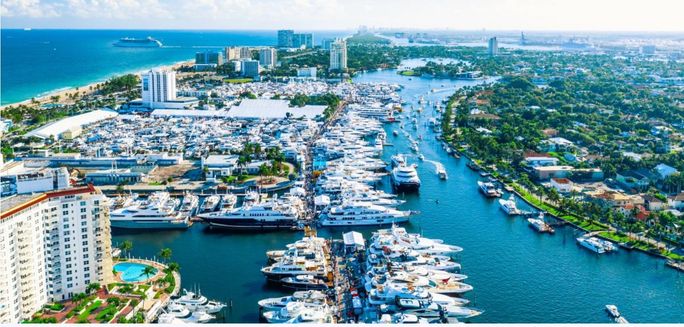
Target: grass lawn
x,y
84,315
407,73
237,80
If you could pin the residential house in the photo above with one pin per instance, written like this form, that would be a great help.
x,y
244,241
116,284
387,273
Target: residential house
x,y
664,171
562,185
653,203
534,159
638,179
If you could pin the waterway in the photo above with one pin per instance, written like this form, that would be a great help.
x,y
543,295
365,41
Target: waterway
x,y
519,276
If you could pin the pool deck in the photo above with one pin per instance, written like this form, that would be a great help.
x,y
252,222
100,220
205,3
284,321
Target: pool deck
x,y
160,270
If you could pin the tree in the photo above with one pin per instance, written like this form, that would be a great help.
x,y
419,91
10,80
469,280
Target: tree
x,y
149,271
92,287
173,266
165,254
127,246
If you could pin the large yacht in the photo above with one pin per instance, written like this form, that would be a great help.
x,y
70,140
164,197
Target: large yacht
x,y
362,214
591,243
271,214
488,189
405,178
158,211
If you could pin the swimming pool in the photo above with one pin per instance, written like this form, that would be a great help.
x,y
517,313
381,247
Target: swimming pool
x,y
132,272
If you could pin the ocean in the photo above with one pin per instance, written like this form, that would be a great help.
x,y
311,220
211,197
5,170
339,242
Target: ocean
x,y
38,62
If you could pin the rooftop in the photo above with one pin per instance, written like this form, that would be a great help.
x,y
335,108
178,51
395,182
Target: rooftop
x,y
63,125
272,109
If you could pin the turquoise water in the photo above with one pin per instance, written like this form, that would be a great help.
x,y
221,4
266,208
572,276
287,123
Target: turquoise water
x,y
39,61
132,272
518,275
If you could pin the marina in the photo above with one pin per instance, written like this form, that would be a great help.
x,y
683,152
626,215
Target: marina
x,y
452,210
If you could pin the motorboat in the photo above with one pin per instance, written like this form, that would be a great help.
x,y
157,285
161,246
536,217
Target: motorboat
x,y
509,206
210,203
612,310
591,243
315,298
304,282
488,189
441,172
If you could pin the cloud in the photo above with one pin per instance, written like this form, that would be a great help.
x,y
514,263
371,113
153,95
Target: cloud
x,y
27,8
118,9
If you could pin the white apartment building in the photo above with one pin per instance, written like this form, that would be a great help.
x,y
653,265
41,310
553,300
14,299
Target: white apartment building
x,y
159,91
338,55
268,57
52,245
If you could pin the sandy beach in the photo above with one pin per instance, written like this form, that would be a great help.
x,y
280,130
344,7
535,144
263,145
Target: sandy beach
x,y
85,89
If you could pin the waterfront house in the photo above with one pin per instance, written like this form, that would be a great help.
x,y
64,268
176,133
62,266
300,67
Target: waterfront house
x,y
217,166
562,185
533,159
676,201
543,173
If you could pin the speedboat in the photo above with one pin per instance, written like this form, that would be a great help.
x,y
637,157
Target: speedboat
x,y
441,172
509,206
612,310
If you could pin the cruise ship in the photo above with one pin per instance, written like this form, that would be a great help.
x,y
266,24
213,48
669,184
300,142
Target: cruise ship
x,y
271,214
362,214
405,178
158,211
128,42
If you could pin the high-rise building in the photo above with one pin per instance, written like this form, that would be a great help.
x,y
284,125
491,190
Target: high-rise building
x,y
493,48
208,60
245,53
338,55
250,68
52,245
307,72
268,57
305,40
285,38
158,87
232,53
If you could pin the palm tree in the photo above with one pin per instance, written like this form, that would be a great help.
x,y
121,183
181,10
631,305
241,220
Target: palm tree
x,y
173,266
165,254
126,246
149,271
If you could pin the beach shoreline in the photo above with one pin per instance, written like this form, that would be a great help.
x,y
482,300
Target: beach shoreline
x,y
84,90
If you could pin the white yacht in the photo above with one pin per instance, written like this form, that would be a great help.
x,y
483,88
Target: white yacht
x,y
405,178
488,189
362,214
540,225
271,214
228,201
158,211
189,204
210,203
509,206
277,303
591,243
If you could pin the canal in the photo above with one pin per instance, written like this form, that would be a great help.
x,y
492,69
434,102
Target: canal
x,y
518,275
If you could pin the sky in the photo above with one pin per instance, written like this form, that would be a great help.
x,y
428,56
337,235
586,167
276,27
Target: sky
x,y
562,15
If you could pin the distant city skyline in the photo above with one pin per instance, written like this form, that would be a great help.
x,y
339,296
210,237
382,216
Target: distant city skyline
x,y
529,15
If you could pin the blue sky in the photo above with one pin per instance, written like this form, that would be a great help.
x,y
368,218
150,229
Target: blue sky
x,y
575,15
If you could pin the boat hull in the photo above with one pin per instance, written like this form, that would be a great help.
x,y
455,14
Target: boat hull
x,y
406,187
148,225
364,222
249,224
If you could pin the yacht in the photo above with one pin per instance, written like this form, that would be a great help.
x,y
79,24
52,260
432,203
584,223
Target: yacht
x,y
592,244
169,319
312,297
210,203
435,310
191,300
362,214
607,245
509,206
293,267
304,282
228,201
540,225
271,214
488,189
158,211
405,178
189,204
